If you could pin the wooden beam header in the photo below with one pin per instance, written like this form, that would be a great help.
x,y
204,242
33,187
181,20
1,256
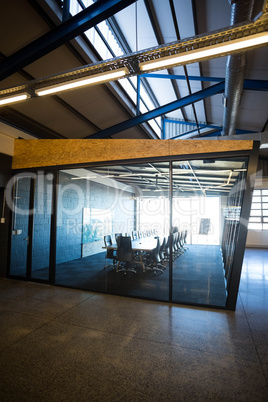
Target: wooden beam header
x,y
60,152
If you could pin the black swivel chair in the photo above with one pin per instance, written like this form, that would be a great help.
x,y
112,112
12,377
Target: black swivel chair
x,y
180,244
162,249
117,235
110,253
154,259
125,255
167,249
184,236
134,235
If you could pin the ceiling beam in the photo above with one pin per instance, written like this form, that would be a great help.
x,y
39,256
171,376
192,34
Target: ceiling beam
x,y
159,37
182,77
68,30
42,128
187,100
176,26
254,85
26,124
135,62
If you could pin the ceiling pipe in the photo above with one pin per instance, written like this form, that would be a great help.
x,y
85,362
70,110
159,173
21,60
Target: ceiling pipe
x,y
241,11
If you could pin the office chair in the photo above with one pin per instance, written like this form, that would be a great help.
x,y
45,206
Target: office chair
x,y
167,249
117,235
134,235
162,249
110,254
154,259
184,236
180,244
125,256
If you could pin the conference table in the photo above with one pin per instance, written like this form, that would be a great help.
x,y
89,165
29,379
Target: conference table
x,y
140,246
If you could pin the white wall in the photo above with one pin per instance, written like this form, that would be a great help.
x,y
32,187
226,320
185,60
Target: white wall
x,y
7,137
257,239
6,144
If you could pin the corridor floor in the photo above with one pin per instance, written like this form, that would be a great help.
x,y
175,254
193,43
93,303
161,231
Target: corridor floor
x,y
59,344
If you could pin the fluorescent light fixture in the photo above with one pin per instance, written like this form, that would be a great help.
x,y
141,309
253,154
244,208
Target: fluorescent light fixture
x,y
202,53
81,82
14,98
83,178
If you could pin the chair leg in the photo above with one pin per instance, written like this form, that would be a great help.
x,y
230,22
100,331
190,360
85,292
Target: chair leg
x,y
113,265
158,267
118,266
125,268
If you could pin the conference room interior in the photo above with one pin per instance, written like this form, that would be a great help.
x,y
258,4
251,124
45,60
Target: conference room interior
x,y
200,197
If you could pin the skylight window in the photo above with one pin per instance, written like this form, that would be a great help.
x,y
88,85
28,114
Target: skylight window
x,y
107,45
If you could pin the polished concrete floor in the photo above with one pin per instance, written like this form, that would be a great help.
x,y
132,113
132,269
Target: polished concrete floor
x,y
60,344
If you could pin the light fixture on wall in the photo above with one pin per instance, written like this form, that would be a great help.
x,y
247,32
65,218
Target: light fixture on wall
x,y
14,98
220,49
82,82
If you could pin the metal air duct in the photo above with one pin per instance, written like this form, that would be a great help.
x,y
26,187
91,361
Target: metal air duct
x,y
241,10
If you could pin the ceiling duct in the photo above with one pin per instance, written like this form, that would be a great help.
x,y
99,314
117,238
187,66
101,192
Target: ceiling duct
x,y
241,11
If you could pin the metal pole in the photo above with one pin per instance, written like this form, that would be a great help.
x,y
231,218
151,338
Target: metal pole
x,y
138,95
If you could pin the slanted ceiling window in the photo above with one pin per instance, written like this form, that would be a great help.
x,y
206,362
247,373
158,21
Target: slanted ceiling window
x,y
259,211
104,40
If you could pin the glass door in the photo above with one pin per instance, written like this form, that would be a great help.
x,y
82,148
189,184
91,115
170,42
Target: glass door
x,y
20,204
41,226
207,199
29,198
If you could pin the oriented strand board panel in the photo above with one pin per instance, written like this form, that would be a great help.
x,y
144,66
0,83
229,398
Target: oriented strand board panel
x,y
41,153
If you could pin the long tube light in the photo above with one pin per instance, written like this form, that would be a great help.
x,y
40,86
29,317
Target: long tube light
x,y
14,98
81,82
213,50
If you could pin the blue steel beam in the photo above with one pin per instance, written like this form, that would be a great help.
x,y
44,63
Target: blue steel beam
x,y
187,123
255,85
86,19
182,77
202,134
187,100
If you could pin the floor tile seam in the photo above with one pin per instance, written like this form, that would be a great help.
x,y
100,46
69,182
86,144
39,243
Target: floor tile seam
x,y
70,308
25,336
253,341
13,309
153,341
115,333
135,337
57,301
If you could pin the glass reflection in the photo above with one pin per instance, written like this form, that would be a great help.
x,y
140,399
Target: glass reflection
x,y
96,205
41,226
20,225
207,199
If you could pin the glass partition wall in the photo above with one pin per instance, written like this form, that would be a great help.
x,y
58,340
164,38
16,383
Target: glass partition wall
x,y
182,216
207,200
123,200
